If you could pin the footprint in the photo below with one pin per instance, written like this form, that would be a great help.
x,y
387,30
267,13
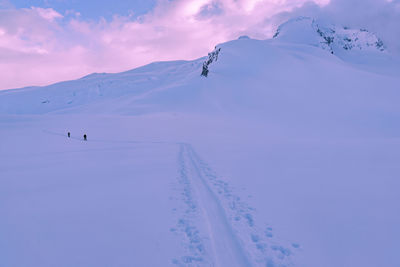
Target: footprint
x,y
284,251
268,232
295,245
249,219
255,238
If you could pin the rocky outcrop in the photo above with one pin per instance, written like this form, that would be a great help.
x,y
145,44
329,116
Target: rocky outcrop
x,y
212,57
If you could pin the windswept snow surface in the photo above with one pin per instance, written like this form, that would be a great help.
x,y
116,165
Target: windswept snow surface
x,y
285,155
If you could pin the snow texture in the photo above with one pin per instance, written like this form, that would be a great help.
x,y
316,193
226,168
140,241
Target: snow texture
x,y
285,155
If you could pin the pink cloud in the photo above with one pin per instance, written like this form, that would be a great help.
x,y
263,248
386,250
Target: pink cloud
x,y
47,13
40,46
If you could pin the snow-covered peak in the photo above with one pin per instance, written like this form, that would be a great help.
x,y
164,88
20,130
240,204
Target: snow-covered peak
x,y
306,30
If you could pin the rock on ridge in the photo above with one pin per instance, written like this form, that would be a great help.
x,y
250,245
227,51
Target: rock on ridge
x,y
212,57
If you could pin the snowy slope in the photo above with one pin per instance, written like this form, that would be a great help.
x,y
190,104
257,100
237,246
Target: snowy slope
x,y
97,87
283,154
297,50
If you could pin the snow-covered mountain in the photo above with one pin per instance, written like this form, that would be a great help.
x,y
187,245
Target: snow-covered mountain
x,y
279,152
307,30
250,70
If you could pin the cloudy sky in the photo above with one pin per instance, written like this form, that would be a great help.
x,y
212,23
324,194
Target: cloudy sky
x,y
45,41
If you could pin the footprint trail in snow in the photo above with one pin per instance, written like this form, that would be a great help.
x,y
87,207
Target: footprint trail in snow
x,y
217,228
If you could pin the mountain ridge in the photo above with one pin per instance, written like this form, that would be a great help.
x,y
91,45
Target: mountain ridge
x,y
181,86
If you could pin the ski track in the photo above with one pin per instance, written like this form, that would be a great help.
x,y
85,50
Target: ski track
x,y
196,252
226,247
231,237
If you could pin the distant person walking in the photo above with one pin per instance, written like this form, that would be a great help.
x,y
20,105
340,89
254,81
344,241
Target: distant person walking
x,y
85,137
69,134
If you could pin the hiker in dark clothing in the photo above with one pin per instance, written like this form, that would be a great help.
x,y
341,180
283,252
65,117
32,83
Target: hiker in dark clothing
x,y
84,137
69,134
